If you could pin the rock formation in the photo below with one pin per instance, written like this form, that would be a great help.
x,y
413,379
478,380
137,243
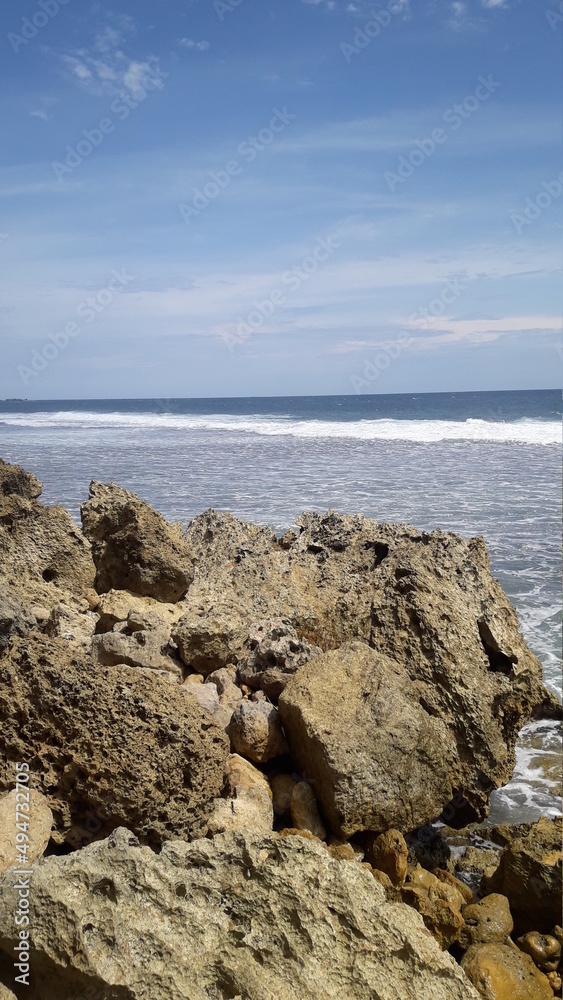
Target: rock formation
x,y
242,915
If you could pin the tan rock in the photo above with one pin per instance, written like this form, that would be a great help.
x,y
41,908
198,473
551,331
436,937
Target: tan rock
x,y
554,979
109,745
544,949
209,641
241,774
36,811
389,853
487,921
342,852
248,809
224,680
276,653
256,731
133,547
449,879
15,481
138,649
348,708
258,917
305,811
501,972
6,994
282,786
392,893
438,903
530,875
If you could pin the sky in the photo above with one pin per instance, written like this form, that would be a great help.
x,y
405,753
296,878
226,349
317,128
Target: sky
x,y
279,197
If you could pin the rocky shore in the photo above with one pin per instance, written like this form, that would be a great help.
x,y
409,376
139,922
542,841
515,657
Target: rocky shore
x,y
249,758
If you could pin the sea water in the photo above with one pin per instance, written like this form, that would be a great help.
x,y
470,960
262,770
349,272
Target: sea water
x,y
476,463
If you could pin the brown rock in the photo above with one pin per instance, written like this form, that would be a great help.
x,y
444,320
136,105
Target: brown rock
x,y
135,649
209,641
543,949
351,707
554,980
487,921
389,853
256,731
449,879
529,873
305,811
133,547
248,805
15,481
276,653
501,972
282,786
39,818
109,746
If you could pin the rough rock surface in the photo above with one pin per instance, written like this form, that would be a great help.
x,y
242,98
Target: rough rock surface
x,y
438,904
305,811
133,547
389,853
487,921
15,481
425,600
209,641
276,653
544,949
530,875
256,731
501,972
377,759
249,802
110,746
231,917
40,820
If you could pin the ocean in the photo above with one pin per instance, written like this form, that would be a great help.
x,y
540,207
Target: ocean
x,y
479,463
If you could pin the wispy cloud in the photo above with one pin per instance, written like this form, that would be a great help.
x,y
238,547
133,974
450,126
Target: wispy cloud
x,y
190,43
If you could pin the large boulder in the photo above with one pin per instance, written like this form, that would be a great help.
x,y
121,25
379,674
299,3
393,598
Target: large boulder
x,y
530,875
427,601
376,758
501,972
15,481
133,547
236,916
107,746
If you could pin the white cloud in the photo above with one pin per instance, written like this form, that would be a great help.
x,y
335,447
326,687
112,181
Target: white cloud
x,y
489,4
40,114
190,43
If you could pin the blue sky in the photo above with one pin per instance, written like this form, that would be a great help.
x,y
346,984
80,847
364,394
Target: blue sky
x,y
258,197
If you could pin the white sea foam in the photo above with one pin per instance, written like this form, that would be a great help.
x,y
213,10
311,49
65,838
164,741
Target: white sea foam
x,y
524,431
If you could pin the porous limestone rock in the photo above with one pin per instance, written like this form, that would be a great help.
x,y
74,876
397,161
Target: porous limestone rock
x,y
530,875
487,921
106,746
236,916
208,641
282,786
248,805
426,600
256,731
501,972
389,853
439,905
133,547
305,811
6,994
543,949
39,819
449,879
377,759
276,653
135,649
15,481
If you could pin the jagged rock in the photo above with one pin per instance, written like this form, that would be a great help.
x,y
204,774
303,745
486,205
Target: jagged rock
x,y
426,600
529,874
438,904
43,555
501,972
449,879
233,916
388,853
249,802
108,746
377,759
480,862
543,949
554,980
305,811
282,786
40,821
118,606
276,653
138,649
256,731
133,547
487,921
6,994
229,692
14,620
15,481
209,641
